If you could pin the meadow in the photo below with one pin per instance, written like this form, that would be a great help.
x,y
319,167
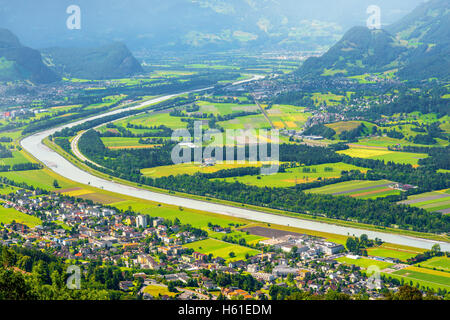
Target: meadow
x,y
364,262
438,263
390,253
296,175
221,249
358,189
384,154
8,215
192,168
287,117
425,277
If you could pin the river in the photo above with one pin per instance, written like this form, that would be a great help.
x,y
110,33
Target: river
x,y
55,162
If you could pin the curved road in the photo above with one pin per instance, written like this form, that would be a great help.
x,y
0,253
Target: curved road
x,y
33,144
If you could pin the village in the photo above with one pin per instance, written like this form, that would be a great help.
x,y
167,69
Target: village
x,y
154,249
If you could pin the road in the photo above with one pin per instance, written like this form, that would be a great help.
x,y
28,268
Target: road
x,y
33,144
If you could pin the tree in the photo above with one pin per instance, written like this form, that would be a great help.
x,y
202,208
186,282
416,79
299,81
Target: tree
x,y
55,183
436,248
407,292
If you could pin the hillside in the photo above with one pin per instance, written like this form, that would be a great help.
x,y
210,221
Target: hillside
x,y
106,62
21,63
418,46
360,50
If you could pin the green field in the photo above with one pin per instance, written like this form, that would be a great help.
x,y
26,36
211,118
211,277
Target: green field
x,y
17,158
8,215
390,253
426,201
156,290
39,178
364,262
293,175
287,116
196,218
247,122
249,238
224,108
121,142
440,263
384,154
154,119
425,277
348,189
192,168
221,249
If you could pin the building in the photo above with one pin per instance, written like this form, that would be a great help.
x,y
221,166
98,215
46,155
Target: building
x,y
141,221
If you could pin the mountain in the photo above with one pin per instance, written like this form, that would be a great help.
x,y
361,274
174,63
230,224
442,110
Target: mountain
x,y
417,47
106,62
426,33
21,63
194,24
361,49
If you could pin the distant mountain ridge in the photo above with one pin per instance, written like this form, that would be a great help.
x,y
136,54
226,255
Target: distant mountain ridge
x,y
21,63
180,25
106,62
417,47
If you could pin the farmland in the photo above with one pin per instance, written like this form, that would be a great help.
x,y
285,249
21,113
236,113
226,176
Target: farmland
x,y
364,262
425,277
191,168
431,201
297,175
221,249
358,189
384,154
288,117
8,215
438,263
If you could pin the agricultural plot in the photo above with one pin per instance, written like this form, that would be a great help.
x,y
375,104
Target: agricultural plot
x,y
221,249
330,99
358,189
342,126
237,235
436,201
294,176
192,168
425,277
364,262
247,122
39,178
154,119
225,108
384,154
158,290
8,215
287,117
124,142
438,263
18,157
390,253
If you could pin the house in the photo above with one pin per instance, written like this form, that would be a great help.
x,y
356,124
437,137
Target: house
x,y
125,285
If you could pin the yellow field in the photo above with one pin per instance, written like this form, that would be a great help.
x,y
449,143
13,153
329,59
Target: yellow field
x,y
364,153
192,168
77,193
429,271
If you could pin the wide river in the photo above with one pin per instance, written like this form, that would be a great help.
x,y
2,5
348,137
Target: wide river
x,y
33,144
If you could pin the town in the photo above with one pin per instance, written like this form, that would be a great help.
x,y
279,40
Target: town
x,y
154,249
